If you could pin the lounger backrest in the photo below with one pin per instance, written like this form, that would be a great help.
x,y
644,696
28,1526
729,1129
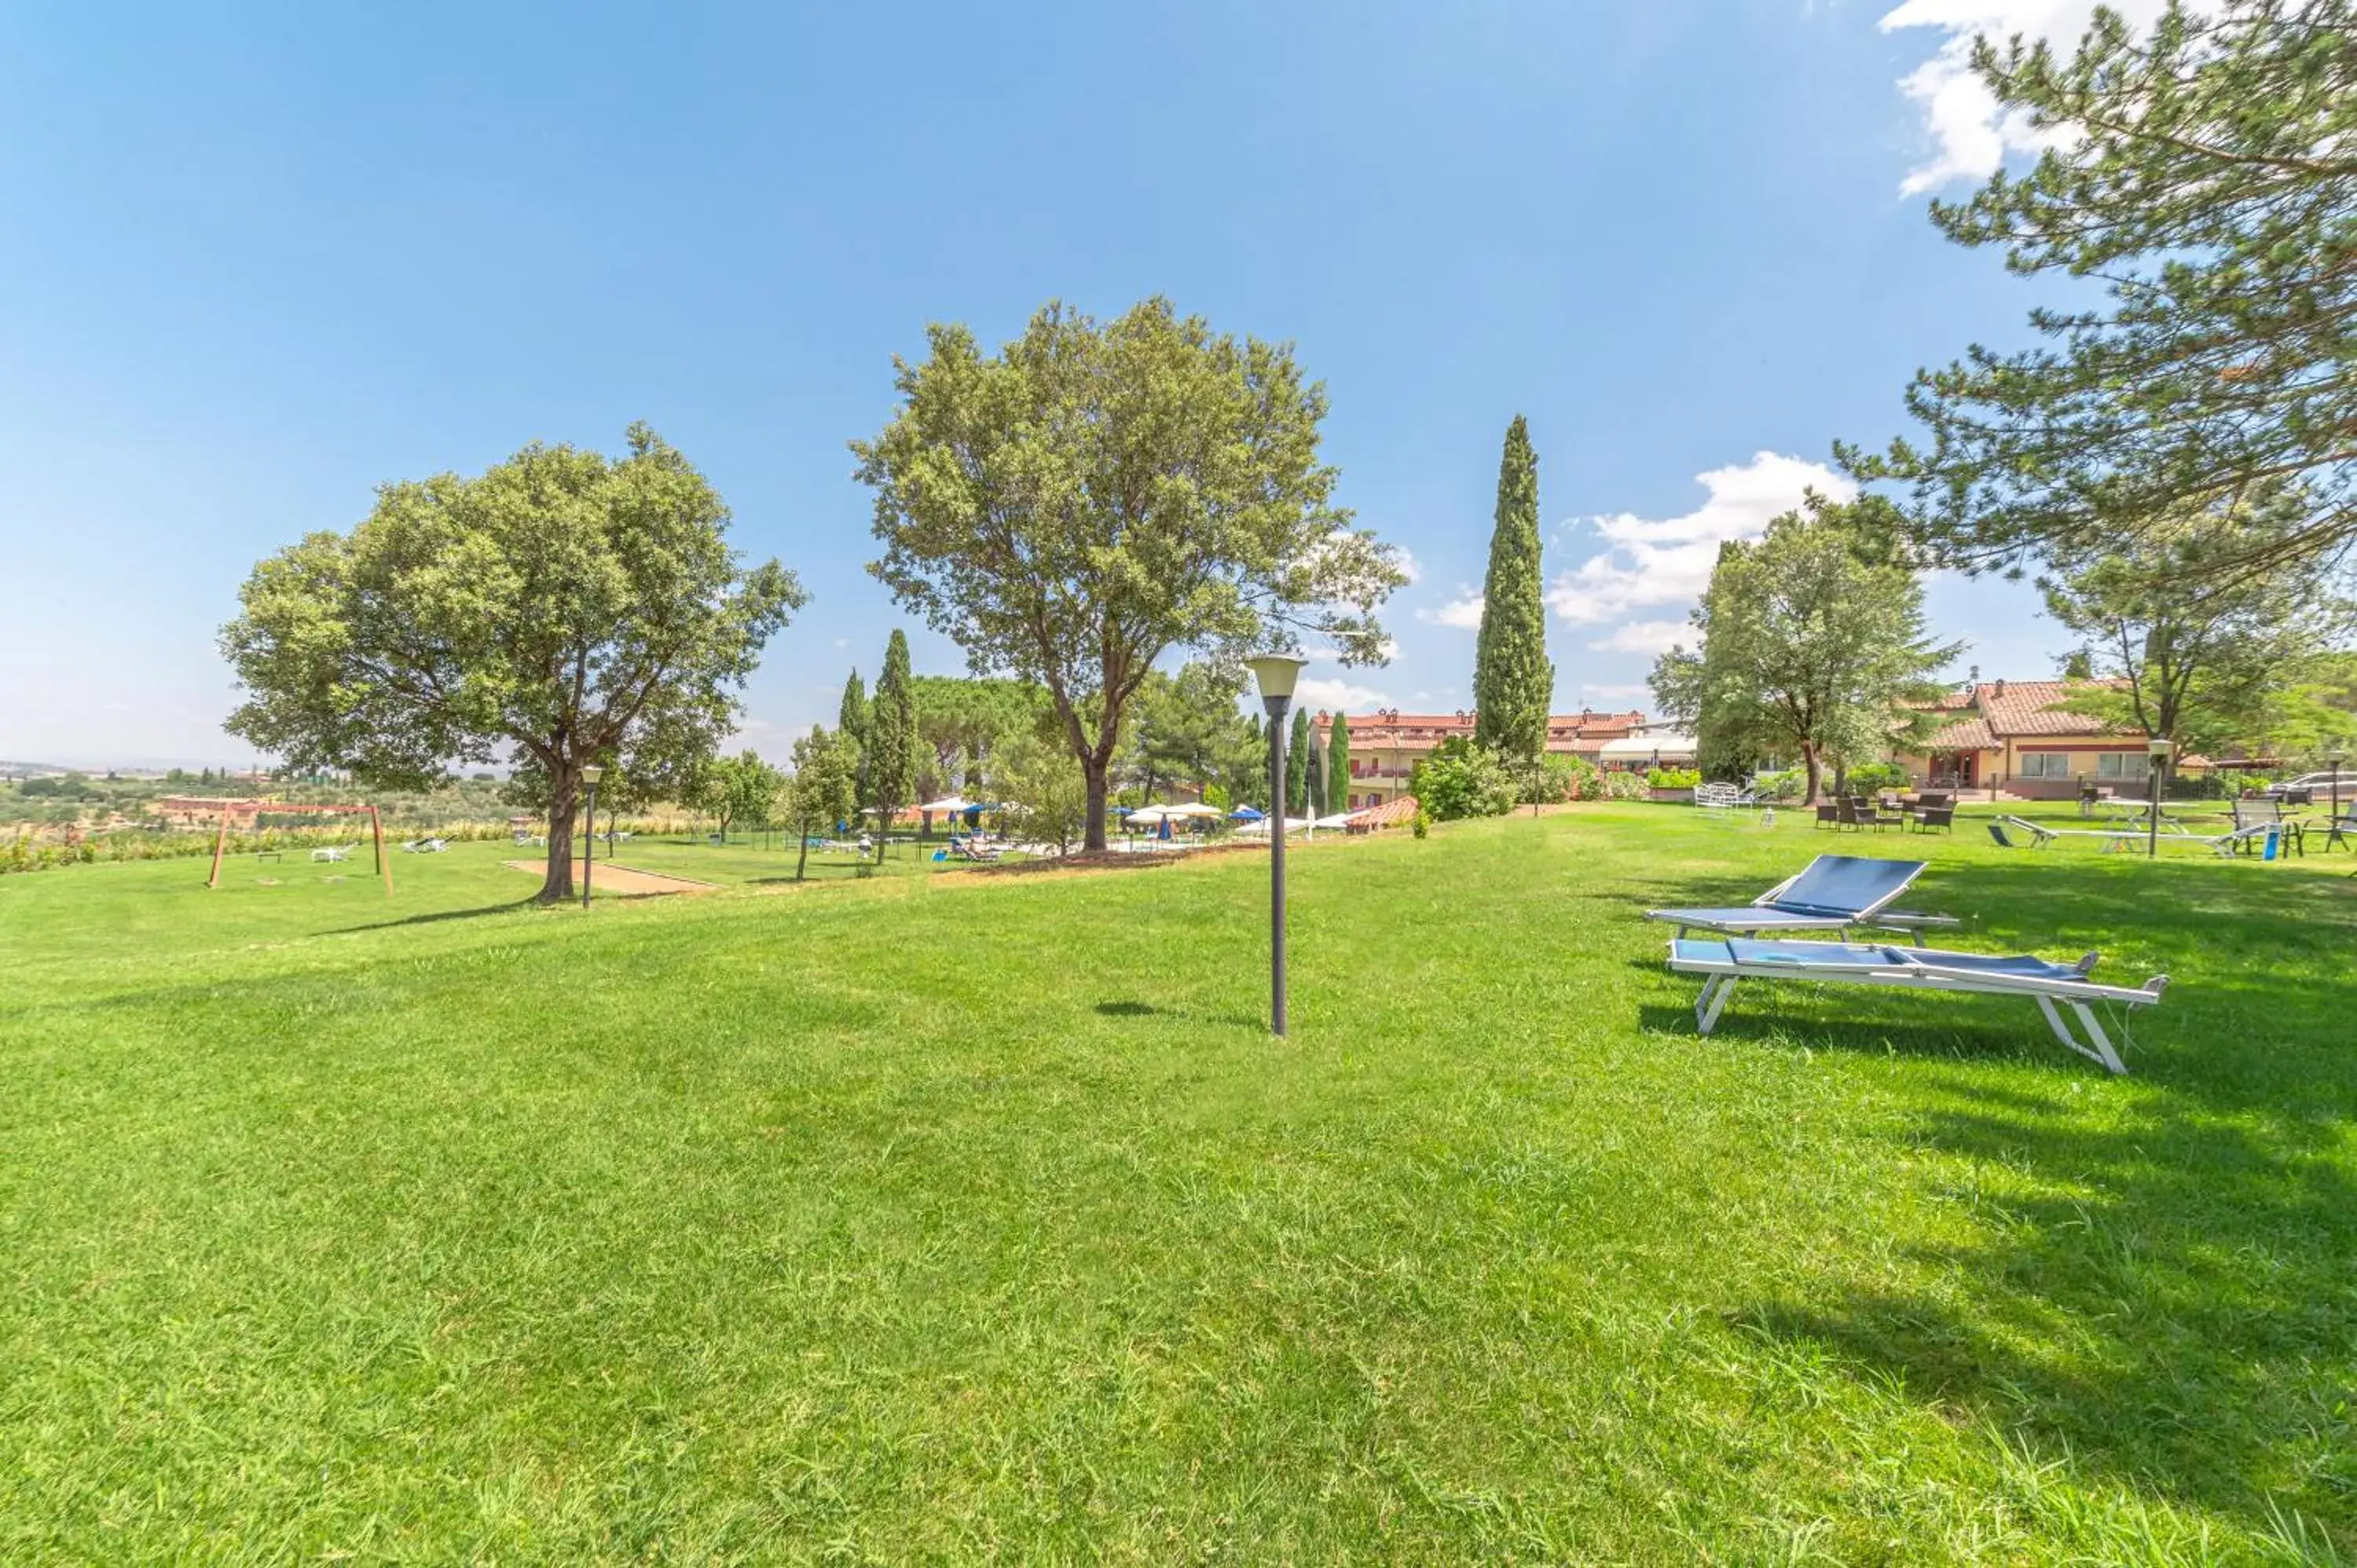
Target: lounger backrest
x,y
1997,832
1848,885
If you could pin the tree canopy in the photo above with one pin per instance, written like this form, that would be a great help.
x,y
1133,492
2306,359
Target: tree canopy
x,y
1187,729
737,790
561,608
962,721
821,792
2201,658
1097,494
1810,641
2205,175
1513,682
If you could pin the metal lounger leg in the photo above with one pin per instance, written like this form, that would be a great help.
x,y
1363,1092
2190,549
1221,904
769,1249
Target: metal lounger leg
x,y
2101,1052
1712,998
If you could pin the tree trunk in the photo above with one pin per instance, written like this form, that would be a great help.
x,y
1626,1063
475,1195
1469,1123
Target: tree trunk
x,y
563,809
802,861
1809,761
1092,832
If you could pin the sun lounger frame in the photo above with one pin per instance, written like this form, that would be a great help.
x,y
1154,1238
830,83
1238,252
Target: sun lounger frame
x,y
1920,971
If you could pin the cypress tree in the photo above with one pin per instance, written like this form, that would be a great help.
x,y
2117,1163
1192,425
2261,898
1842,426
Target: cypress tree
x,y
892,736
851,725
1297,763
1337,761
1514,683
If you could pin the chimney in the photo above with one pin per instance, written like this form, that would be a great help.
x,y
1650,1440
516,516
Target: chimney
x,y
1997,690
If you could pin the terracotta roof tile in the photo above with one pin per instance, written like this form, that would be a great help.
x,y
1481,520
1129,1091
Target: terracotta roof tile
x,y
1964,734
2021,707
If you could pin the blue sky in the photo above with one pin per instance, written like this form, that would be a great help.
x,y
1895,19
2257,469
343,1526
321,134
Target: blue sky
x,y
255,263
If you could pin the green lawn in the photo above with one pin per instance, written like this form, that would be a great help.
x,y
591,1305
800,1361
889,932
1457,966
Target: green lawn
x,y
954,1217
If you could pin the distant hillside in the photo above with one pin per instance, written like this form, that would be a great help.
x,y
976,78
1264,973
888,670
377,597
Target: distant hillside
x,y
23,770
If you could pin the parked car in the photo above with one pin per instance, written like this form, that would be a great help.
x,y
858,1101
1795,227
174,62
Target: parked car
x,y
2315,781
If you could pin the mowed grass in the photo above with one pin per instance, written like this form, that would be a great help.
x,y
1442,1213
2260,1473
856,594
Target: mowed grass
x,y
959,1217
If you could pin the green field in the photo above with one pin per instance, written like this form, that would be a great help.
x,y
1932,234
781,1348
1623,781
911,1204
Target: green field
x,y
956,1217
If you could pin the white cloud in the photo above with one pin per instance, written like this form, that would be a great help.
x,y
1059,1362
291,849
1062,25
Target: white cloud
x,y
1615,693
1317,692
1648,562
1464,612
1970,136
1644,637
1407,562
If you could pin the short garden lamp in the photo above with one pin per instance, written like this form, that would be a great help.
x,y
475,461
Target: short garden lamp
x,y
1276,673
2157,752
589,776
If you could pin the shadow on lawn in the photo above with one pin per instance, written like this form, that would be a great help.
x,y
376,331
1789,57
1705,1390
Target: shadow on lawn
x,y
2161,1280
438,916
2173,1306
1132,1008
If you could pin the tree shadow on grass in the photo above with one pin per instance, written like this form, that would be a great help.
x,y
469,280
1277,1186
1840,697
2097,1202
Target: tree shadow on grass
x,y
2159,1279
2171,1300
437,916
1131,1008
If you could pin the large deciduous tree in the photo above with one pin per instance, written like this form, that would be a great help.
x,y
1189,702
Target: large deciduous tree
x,y
892,739
562,608
2206,175
1514,682
1097,494
1810,641
2201,657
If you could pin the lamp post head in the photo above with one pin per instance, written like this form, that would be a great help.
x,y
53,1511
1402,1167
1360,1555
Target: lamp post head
x,y
591,773
2157,749
1276,673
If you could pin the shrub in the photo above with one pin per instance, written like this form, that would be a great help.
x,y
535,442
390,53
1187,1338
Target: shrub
x,y
1784,786
1673,777
1422,826
1623,786
1870,775
1463,780
1558,776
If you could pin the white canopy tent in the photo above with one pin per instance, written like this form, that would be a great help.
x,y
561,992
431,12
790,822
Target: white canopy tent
x,y
1636,748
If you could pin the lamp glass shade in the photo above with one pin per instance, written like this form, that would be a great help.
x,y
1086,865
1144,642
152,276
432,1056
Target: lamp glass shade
x,y
1276,672
592,773
2157,749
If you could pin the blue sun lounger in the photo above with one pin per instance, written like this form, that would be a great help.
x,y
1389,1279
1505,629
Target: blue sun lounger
x,y
1722,963
1834,893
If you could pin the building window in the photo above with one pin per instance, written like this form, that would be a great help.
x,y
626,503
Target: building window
x,y
2045,764
2131,766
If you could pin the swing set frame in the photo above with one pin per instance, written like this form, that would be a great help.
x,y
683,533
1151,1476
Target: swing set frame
x,y
255,808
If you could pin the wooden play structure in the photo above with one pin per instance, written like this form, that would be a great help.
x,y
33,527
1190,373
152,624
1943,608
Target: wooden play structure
x,y
252,809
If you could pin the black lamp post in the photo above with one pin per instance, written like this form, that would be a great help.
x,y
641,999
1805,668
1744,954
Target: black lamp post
x,y
2155,752
589,776
2335,759
1276,673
